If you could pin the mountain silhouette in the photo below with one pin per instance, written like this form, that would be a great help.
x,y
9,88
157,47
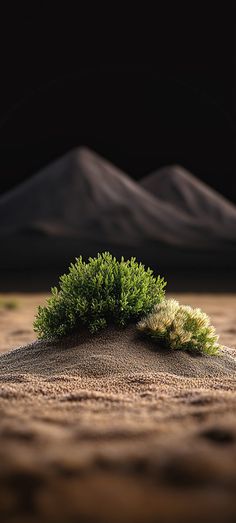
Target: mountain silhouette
x,y
81,203
180,188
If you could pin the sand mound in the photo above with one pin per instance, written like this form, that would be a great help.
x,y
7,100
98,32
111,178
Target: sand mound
x,y
112,353
109,428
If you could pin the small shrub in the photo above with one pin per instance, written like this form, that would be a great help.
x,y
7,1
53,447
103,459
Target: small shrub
x,y
8,304
97,293
181,327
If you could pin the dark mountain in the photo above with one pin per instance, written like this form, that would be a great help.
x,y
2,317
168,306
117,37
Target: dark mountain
x,y
81,204
180,188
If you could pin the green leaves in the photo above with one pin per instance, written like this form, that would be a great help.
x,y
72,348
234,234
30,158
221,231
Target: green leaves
x,y
98,293
181,327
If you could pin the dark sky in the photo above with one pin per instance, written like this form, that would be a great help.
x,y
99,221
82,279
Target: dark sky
x,y
142,90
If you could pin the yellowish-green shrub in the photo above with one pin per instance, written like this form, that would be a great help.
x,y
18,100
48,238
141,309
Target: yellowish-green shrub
x,y
180,327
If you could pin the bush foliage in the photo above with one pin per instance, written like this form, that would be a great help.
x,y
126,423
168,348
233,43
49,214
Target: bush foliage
x,y
180,327
98,293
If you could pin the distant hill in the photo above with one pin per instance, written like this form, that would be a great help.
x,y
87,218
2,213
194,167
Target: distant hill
x,y
175,185
81,204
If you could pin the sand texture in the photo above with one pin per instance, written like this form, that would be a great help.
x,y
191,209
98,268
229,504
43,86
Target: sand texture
x,y
112,429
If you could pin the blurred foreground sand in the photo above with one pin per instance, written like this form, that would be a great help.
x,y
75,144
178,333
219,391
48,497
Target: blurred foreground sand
x,y
133,448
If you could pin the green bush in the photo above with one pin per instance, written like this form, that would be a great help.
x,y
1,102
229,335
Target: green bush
x,y
98,293
180,327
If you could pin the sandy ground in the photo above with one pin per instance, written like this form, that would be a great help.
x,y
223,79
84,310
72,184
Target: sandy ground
x,y
137,446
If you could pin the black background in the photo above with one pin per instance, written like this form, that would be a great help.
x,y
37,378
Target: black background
x,y
142,88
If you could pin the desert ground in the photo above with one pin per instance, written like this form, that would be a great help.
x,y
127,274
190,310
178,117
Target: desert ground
x,y
120,447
